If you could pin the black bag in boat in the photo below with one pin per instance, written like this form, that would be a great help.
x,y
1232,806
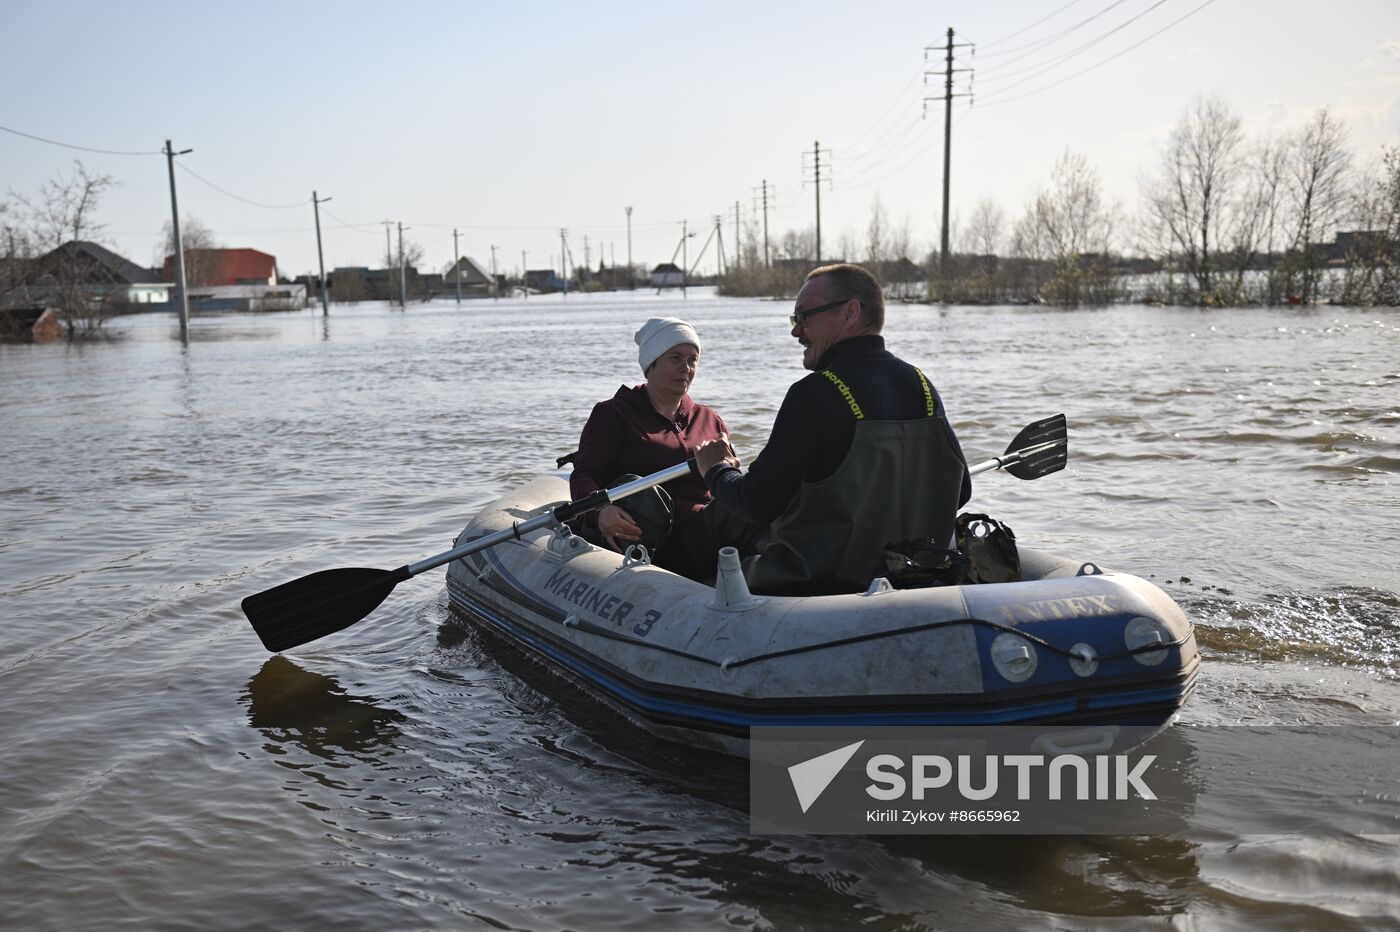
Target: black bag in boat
x,y
986,553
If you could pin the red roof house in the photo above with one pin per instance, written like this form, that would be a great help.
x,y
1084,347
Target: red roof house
x,y
225,267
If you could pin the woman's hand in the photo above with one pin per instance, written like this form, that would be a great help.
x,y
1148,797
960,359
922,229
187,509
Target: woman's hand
x,y
617,527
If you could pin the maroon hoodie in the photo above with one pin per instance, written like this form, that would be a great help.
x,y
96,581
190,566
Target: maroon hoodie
x,y
625,434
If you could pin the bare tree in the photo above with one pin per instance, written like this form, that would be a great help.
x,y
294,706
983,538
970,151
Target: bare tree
x,y
877,247
1373,262
1316,187
1070,227
202,265
1189,203
985,228
45,236
798,244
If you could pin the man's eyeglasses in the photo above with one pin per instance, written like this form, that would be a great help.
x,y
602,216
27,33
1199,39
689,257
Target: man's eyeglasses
x,y
800,317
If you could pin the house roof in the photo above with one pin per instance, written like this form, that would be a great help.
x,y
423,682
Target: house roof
x,y
666,267
472,273
229,266
123,269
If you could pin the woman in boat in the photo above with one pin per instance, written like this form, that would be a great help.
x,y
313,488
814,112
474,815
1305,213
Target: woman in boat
x,y
647,428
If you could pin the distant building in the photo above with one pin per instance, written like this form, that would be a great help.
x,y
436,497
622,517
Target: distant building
x,y
476,281
259,297
225,267
105,275
359,283
667,275
543,280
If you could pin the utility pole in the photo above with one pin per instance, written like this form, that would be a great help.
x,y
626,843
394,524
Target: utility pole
x,y
181,293
685,257
403,275
947,99
719,239
320,257
524,274
495,288
457,264
737,240
587,259
817,183
388,261
631,272
631,276
767,260
563,264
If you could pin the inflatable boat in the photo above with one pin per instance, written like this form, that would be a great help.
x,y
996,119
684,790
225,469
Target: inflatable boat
x,y
703,664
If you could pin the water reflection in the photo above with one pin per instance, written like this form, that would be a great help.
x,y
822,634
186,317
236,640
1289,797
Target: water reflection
x,y
314,712
686,821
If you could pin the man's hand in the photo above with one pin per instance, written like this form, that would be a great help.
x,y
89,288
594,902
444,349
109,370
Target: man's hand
x,y
617,527
715,451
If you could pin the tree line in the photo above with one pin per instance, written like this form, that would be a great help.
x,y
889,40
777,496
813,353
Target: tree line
x,y
1223,220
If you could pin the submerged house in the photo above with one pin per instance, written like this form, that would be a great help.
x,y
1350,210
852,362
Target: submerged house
x,y
475,281
667,275
105,276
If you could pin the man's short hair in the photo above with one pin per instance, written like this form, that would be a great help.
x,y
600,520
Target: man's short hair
x,y
847,280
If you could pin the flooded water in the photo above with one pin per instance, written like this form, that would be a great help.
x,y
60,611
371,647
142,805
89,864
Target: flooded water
x,y
161,770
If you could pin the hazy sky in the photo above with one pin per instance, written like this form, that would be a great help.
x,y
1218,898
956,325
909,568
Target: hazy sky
x,y
510,121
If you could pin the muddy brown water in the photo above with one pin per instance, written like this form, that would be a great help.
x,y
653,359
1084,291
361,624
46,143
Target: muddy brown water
x,y
161,770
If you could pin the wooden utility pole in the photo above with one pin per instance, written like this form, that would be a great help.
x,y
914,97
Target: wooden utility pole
x,y
817,183
320,257
181,293
631,275
388,261
737,239
719,239
495,288
767,258
524,273
685,256
457,264
563,263
947,98
403,274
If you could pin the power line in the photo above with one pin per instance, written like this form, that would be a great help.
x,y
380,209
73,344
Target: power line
x,y
1031,26
1056,62
1039,44
69,145
1119,54
197,177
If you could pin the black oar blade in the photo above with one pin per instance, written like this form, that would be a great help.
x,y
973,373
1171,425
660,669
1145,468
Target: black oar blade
x,y
317,605
1042,462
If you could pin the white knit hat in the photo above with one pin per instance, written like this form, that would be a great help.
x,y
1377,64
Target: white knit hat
x,y
660,334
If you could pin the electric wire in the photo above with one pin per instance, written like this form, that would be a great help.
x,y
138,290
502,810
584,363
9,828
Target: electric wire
x,y
1052,64
69,145
1119,54
1031,48
192,173
1031,26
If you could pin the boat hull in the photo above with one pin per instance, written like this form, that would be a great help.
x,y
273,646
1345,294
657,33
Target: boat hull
x,y
1069,644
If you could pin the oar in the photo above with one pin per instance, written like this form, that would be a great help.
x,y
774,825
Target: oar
x,y
329,601
1038,450
323,603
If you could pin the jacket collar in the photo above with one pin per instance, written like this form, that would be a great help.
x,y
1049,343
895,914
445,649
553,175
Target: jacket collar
x,y
636,396
868,343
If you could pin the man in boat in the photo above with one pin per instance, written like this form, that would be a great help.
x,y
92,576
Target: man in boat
x,y
861,453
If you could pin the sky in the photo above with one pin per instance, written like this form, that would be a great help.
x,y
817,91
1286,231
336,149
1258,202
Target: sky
x,y
510,121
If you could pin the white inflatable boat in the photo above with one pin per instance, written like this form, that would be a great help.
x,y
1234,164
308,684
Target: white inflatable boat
x,y
703,664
